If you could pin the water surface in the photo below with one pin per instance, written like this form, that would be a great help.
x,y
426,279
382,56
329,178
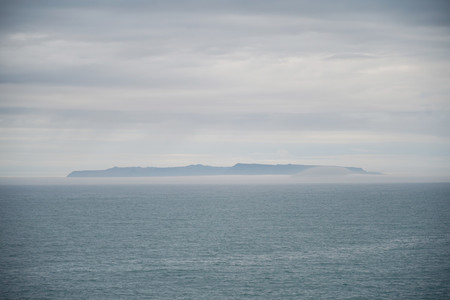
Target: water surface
x,y
371,241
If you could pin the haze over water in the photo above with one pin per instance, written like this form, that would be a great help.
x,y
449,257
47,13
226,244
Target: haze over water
x,y
89,85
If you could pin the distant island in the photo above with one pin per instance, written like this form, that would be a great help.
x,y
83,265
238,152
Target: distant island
x,y
237,169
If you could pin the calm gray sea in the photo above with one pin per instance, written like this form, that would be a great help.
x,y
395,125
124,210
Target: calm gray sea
x,y
365,241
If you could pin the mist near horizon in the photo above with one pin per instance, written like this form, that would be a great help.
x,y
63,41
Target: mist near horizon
x,y
222,180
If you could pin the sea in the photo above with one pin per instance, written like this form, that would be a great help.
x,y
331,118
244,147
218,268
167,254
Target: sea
x,y
194,241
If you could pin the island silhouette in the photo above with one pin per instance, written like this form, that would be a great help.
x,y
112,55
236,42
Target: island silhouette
x,y
204,170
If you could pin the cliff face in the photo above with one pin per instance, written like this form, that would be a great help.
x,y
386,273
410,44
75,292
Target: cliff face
x,y
201,170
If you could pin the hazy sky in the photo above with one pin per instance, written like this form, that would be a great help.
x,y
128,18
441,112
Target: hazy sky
x,y
96,84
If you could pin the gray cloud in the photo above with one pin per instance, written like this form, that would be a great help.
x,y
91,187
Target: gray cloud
x,y
213,81
432,123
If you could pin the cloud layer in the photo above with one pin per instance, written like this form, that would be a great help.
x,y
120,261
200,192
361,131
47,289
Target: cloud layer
x,y
92,84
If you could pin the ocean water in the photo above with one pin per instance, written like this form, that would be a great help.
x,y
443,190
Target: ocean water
x,y
323,241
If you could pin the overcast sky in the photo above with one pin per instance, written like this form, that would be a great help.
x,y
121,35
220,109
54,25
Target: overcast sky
x,y
96,84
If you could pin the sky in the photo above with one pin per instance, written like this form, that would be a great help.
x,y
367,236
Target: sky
x,y
96,84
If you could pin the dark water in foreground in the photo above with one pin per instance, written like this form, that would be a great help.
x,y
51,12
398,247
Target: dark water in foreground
x,y
386,241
